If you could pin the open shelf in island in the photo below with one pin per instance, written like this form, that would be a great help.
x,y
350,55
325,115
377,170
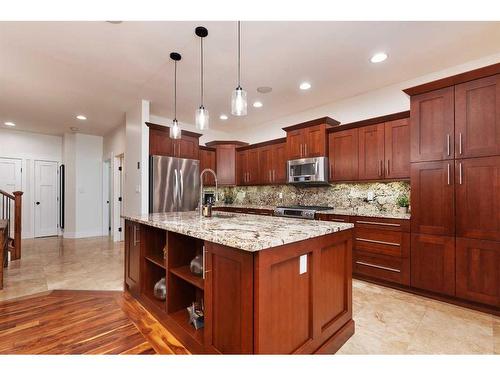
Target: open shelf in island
x,y
185,274
181,317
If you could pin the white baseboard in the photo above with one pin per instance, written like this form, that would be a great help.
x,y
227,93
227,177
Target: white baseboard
x,y
83,234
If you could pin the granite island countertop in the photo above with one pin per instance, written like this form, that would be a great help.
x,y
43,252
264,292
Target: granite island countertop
x,y
241,231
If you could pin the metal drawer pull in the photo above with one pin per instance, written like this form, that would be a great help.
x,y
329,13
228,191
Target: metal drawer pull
x,y
377,266
380,242
377,223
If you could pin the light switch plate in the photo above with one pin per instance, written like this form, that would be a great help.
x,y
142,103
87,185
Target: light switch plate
x,y
303,264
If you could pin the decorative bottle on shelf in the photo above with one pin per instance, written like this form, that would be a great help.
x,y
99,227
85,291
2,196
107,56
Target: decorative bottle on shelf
x,y
160,290
196,265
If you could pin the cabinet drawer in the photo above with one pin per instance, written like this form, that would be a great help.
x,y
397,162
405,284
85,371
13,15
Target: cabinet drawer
x,y
332,217
400,225
388,268
382,242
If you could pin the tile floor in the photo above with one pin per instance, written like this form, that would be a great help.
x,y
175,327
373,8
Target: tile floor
x,y
387,321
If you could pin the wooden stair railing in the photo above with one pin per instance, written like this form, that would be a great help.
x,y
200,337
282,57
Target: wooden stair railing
x,y
9,202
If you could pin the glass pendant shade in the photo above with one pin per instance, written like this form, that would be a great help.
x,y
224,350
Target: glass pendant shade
x,y
239,102
175,130
202,118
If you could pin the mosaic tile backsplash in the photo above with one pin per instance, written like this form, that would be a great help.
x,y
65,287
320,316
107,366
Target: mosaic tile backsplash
x,y
340,196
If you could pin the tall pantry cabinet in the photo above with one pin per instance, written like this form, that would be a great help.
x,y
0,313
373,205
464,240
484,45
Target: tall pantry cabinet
x,y
455,187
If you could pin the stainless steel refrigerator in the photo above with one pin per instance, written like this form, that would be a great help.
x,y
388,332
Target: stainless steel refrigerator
x,y
174,184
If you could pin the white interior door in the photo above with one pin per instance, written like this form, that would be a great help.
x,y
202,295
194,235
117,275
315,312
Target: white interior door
x,y
45,198
106,210
10,181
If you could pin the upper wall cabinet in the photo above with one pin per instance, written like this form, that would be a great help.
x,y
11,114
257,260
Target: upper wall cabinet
x,y
477,118
308,139
225,152
343,155
432,117
207,160
160,143
371,152
262,164
397,148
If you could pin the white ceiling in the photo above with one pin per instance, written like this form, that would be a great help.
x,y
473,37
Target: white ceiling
x,y
52,71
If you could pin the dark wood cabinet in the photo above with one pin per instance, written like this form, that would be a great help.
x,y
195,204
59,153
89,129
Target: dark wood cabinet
x,y
242,167
248,166
266,165
160,143
432,124
225,155
397,149
433,263
478,271
432,198
207,160
272,164
132,257
228,315
309,139
477,182
343,155
371,152
477,118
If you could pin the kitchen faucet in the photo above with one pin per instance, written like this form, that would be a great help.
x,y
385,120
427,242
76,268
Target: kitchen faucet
x,y
200,205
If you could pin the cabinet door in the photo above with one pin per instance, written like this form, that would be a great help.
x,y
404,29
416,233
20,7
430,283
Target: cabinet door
x,y
295,144
433,263
186,147
242,167
160,143
207,160
478,271
226,164
132,257
397,148
253,167
266,165
228,300
371,152
343,155
477,118
432,198
315,141
478,198
279,163
432,122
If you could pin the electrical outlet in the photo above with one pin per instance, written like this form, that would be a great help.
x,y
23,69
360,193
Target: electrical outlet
x,y
303,264
370,196
280,195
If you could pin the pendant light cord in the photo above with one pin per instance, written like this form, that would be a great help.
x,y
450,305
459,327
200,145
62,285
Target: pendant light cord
x,y
201,57
175,90
239,52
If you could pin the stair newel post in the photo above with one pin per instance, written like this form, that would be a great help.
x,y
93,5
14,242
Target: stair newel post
x,y
17,224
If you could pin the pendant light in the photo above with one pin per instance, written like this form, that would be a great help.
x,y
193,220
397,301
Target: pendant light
x,y
175,129
201,115
239,96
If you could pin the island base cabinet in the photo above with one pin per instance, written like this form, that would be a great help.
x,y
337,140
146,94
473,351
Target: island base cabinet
x,y
132,257
478,271
228,300
303,296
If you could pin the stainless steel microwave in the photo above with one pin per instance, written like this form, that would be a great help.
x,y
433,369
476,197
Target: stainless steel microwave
x,y
308,171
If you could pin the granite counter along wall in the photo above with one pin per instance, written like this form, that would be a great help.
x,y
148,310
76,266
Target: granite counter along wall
x,y
344,196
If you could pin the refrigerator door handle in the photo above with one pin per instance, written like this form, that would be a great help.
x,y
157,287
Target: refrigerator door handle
x,y
176,187
181,190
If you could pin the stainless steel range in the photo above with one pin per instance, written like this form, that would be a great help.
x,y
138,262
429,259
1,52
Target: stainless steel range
x,y
302,212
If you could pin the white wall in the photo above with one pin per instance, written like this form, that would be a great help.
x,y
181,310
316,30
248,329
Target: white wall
x,y
83,208
29,147
114,142
136,197
208,135
374,103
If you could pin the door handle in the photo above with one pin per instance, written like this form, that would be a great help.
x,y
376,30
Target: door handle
x,y
448,144
460,143
182,184
176,186
274,175
305,149
380,168
460,176
388,167
448,170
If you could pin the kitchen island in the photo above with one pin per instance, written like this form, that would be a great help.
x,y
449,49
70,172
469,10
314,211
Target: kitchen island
x,y
268,285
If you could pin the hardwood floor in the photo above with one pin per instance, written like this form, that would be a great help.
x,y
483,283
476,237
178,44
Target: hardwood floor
x,y
82,322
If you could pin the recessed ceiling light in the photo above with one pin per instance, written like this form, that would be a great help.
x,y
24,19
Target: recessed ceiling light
x,y
223,117
81,117
257,104
9,123
264,89
114,22
378,57
305,86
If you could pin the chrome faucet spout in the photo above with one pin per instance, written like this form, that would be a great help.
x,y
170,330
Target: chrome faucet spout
x,y
200,205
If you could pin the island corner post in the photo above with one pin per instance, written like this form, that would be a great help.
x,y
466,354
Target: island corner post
x,y
291,299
